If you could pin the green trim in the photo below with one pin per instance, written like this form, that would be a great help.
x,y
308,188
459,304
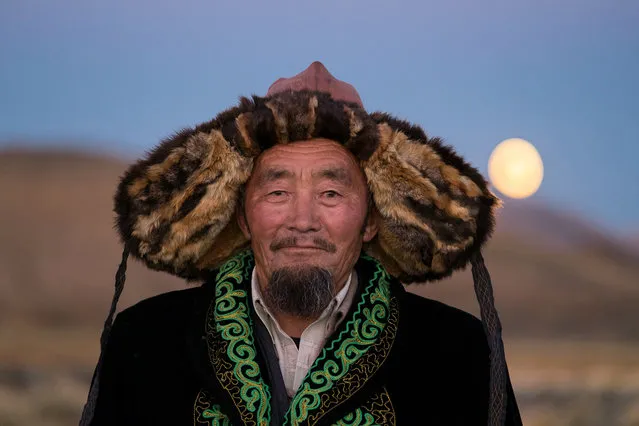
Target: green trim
x,y
357,418
207,413
231,325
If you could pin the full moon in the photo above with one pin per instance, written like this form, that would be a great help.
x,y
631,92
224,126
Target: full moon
x,y
515,168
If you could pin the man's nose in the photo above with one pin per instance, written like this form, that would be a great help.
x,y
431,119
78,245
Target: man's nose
x,y
304,216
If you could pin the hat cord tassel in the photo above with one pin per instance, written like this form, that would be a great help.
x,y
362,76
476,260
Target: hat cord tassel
x,y
492,327
120,278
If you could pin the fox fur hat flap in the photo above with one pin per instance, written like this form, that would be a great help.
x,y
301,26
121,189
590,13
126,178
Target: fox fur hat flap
x,y
176,208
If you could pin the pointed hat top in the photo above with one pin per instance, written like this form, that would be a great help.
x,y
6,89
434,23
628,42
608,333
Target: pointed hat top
x,y
317,77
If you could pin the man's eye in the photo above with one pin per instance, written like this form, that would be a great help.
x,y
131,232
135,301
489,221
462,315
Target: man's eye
x,y
277,193
331,194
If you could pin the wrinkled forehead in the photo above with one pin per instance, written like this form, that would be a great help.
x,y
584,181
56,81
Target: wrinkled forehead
x,y
316,158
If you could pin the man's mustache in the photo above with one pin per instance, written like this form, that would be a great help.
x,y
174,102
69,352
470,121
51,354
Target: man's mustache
x,y
293,242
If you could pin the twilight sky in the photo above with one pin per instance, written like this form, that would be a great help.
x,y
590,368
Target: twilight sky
x,y
118,76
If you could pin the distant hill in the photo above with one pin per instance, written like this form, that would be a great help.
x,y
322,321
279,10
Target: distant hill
x,y
561,230
554,275
59,251
632,242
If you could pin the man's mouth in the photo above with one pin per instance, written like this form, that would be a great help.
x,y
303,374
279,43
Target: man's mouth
x,y
301,248
293,244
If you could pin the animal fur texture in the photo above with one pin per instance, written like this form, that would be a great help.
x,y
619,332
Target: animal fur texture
x,y
176,208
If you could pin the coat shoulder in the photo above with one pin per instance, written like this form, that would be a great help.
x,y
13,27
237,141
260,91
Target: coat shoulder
x,y
438,319
420,305
164,311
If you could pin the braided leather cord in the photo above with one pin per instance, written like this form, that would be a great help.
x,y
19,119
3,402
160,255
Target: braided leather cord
x,y
492,327
120,278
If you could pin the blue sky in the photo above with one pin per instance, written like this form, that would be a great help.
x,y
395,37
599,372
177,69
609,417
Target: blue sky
x,y
119,76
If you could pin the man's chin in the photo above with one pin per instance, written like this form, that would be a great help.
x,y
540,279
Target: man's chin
x,y
300,289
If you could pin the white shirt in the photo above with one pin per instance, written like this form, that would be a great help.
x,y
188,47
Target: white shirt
x,y
294,362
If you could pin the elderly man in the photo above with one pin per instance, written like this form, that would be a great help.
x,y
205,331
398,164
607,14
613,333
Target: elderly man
x,y
302,215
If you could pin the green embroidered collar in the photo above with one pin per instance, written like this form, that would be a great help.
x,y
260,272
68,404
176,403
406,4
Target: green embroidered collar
x,y
347,362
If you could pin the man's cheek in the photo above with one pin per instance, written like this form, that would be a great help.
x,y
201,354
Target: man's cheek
x,y
261,223
343,222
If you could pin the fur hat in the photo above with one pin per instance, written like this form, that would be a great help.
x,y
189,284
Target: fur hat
x,y
176,208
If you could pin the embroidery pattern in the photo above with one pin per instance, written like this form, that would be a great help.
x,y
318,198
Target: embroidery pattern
x,y
208,414
343,367
357,418
353,356
378,410
230,338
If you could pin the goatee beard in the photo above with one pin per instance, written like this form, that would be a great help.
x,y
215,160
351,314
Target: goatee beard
x,y
301,291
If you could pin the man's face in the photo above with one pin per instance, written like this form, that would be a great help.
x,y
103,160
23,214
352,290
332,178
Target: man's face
x,y
305,206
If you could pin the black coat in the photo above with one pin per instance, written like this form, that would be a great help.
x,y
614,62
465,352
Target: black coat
x,y
429,366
